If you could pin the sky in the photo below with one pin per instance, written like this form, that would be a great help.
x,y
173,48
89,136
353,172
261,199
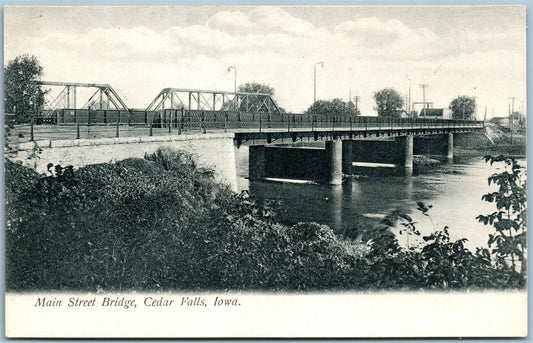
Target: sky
x,y
475,51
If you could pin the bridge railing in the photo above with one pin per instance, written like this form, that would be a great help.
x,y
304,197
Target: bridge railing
x,y
90,124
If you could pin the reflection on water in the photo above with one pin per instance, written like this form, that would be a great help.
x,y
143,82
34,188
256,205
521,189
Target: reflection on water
x,y
454,190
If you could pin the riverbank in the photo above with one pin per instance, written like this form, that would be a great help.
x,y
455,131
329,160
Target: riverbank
x,y
163,223
494,140
514,150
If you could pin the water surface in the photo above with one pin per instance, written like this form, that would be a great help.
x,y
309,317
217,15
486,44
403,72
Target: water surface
x,y
454,191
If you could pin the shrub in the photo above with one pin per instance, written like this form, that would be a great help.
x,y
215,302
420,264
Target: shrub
x,y
164,223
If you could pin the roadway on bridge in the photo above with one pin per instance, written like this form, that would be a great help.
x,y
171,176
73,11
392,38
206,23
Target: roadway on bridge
x,y
22,133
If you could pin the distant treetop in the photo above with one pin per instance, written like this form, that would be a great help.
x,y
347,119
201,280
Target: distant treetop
x,y
333,107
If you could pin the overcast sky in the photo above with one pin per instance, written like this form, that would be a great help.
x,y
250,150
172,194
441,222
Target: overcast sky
x,y
475,51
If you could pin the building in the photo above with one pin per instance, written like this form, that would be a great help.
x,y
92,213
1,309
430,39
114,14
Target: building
x,y
435,113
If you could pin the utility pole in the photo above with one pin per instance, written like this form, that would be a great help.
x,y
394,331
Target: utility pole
x,y
424,86
512,101
475,108
511,117
409,102
522,113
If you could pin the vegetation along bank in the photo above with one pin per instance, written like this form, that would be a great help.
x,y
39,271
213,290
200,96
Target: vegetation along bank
x,y
164,223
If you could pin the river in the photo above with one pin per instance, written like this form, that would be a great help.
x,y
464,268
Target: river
x,y
453,190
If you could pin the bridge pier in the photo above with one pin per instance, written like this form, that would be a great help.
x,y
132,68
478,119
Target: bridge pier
x,y
449,145
333,162
406,146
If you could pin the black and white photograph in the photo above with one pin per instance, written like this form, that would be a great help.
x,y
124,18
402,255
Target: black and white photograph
x,y
265,171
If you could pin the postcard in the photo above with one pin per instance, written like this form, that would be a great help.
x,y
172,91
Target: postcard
x,y
262,171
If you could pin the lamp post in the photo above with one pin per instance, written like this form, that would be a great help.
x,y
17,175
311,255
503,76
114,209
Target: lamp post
x,y
409,96
314,84
234,77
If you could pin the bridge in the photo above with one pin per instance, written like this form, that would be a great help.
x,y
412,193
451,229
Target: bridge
x,y
198,99
352,144
103,97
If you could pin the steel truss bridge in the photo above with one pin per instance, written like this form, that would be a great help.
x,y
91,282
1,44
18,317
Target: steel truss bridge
x,y
251,117
196,99
104,96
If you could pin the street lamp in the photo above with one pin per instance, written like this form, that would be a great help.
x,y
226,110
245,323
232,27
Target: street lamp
x,y
235,77
474,91
314,93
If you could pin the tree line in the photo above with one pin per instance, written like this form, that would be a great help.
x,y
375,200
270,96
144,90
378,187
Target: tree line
x,y
24,97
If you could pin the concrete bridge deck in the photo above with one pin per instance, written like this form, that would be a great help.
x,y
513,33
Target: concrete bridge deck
x,y
212,137
246,126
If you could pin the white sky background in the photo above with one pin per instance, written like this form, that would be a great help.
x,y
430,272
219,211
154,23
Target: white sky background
x,y
475,51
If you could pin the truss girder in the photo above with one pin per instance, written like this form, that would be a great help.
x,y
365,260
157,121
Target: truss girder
x,y
212,101
103,96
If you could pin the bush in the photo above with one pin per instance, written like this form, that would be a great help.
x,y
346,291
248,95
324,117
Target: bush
x,y
157,223
163,223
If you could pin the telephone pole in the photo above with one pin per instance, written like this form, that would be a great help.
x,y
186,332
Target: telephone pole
x,y
511,117
409,101
424,86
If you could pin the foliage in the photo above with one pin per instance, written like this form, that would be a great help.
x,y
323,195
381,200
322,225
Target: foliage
x,y
163,223
463,107
252,87
158,223
388,103
510,219
22,95
255,87
439,262
335,107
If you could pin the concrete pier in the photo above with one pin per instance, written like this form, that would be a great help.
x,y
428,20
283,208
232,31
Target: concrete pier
x,y
334,162
449,146
406,150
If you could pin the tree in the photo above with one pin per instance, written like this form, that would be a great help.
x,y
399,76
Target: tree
x,y
510,219
22,95
255,87
333,107
463,107
388,103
